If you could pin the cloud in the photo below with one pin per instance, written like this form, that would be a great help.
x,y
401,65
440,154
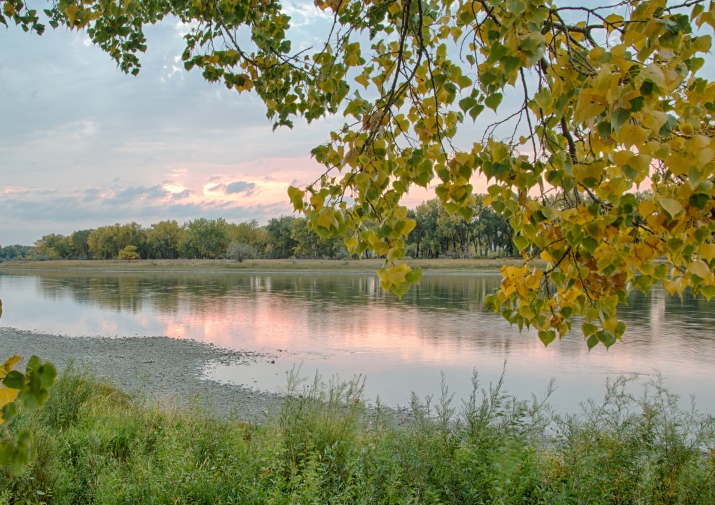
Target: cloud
x,y
240,187
137,193
181,195
246,188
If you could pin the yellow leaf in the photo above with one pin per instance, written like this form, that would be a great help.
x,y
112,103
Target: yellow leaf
x,y
671,207
326,220
655,74
632,135
7,395
351,243
71,13
362,79
613,21
707,252
686,129
8,365
700,268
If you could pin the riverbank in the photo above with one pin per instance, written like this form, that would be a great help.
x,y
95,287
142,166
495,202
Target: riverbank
x,y
159,367
96,445
429,267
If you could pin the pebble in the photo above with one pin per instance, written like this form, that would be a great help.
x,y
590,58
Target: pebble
x,y
162,367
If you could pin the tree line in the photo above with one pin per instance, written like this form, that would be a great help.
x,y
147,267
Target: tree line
x,y
437,234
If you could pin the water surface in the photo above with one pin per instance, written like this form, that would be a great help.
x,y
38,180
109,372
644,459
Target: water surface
x,y
344,324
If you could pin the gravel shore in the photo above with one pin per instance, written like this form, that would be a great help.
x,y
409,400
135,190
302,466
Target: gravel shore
x,y
163,367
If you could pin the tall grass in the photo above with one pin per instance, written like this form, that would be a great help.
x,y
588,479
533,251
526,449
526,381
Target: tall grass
x,y
98,445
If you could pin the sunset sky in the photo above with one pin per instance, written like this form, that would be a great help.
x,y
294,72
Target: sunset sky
x,y
84,145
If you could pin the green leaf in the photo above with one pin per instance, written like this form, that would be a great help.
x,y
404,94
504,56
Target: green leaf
x,y
591,342
606,338
544,100
636,104
699,200
493,100
17,454
467,103
521,242
14,380
667,128
414,275
476,110
588,329
619,118
547,336
296,197
590,243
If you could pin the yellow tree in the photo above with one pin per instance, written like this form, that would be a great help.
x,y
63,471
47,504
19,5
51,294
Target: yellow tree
x,y
129,253
592,103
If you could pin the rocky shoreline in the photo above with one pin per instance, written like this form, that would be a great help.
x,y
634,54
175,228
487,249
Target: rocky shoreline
x,y
162,367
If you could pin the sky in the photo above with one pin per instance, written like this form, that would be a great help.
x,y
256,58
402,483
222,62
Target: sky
x,y
84,145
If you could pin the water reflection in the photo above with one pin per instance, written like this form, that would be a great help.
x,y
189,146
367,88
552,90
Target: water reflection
x,y
345,324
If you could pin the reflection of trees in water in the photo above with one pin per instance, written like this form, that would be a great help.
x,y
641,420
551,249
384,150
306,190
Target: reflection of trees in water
x,y
165,293
117,293
675,325
659,307
440,308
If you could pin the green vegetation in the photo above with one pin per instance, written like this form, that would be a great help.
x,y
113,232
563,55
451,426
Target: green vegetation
x,y
18,252
28,390
97,445
437,235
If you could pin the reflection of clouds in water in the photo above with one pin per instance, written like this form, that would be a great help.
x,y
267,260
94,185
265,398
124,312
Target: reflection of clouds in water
x,y
657,310
108,327
345,322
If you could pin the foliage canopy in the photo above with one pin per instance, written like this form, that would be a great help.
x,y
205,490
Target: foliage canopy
x,y
593,103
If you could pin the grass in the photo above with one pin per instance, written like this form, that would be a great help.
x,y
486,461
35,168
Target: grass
x,y
95,444
262,265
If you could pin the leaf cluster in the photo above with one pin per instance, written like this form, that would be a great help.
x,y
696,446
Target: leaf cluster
x,y
29,390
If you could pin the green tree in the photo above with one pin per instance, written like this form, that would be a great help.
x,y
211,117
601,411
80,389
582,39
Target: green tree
x,y
79,244
205,239
54,246
105,242
18,252
308,244
250,234
426,215
164,239
282,244
609,98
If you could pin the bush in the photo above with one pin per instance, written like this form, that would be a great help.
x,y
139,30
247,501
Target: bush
x,y
239,251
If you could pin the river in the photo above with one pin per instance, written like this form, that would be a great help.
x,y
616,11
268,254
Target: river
x,y
344,324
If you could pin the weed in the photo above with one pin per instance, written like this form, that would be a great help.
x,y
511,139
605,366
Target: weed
x,y
97,445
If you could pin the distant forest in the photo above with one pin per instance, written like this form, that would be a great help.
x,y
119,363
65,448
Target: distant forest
x,y
436,235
